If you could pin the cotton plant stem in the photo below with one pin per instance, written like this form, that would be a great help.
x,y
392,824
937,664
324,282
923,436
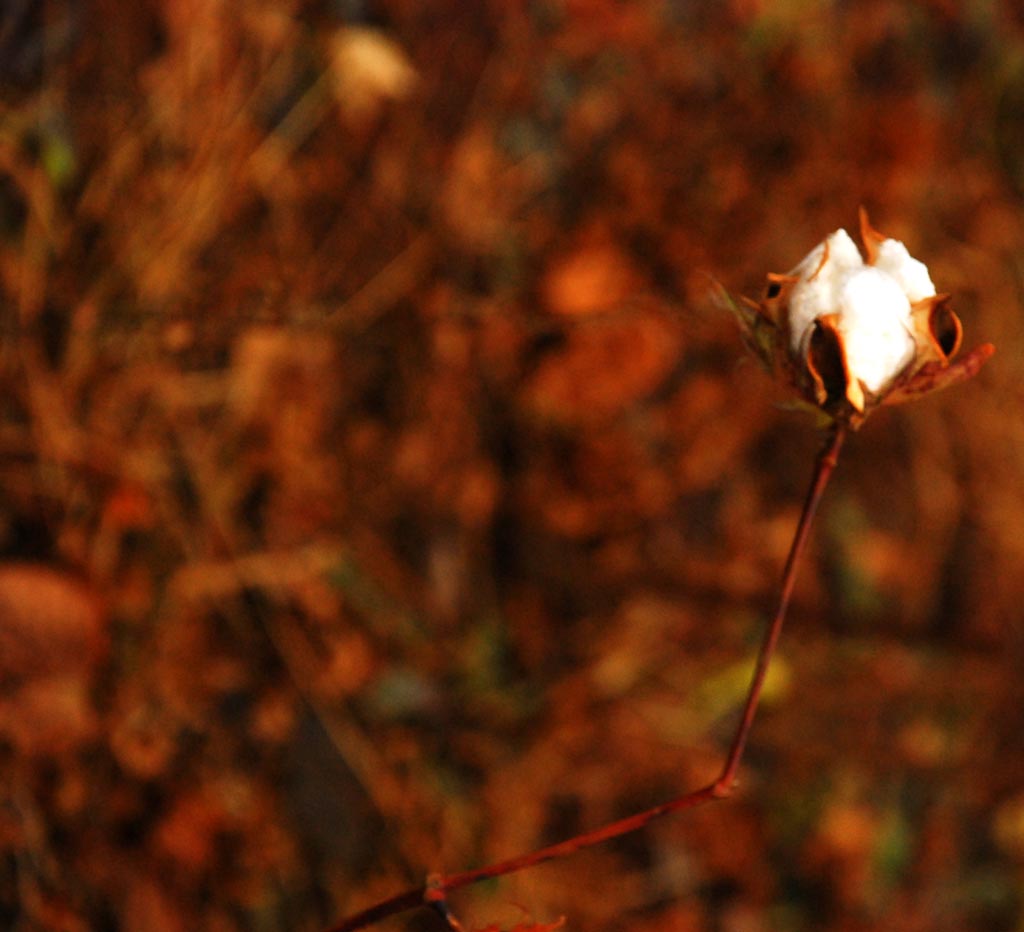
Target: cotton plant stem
x,y
827,459
433,893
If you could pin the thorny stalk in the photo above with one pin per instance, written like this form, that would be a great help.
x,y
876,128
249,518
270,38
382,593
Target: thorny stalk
x,y
433,893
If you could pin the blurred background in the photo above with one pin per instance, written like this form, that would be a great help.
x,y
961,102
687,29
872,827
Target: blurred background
x,y
383,490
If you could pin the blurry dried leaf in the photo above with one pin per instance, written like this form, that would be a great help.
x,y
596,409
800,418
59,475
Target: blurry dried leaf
x,y
483,188
274,717
606,367
129,507
611,481
140,740
188,834
841,851
369,70
52,623
48,716
478,495
273,364
849,830
924,743
1008,826
151,909
598,276
348,666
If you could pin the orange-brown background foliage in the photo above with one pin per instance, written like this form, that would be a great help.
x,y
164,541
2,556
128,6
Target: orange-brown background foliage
x,y
381,491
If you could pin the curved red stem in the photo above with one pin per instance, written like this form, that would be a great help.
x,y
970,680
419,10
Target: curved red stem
x,y
434,892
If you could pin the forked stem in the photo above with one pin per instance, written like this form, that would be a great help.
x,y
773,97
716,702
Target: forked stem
x,y
434,892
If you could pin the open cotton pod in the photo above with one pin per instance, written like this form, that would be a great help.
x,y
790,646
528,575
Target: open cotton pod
x,y
851,334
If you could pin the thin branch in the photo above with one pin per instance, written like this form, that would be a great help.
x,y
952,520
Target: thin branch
x,y
827,460
432,893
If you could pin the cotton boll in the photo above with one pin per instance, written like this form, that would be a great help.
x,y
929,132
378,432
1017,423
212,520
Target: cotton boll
x,y
849,335
874,319
821,273
912,274
872,304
